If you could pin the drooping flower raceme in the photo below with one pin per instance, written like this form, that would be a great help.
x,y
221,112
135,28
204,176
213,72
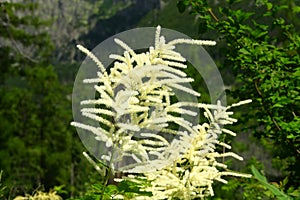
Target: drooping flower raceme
x,y
145,126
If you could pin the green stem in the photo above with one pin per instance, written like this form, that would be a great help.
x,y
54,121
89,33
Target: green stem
x,y
109,170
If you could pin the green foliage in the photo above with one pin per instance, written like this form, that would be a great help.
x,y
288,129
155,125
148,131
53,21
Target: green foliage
x,y
2,187
37,147
31,130
275,191
260,42
126,188
19,42
20,46
110,8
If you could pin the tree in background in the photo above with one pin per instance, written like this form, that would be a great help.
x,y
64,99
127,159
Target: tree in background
x,y
261,45
37,147
260,41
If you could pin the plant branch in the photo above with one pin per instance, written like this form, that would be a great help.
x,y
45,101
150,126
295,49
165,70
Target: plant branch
x,y
212,14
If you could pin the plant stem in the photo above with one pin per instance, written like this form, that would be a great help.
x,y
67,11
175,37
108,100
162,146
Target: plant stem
x,y
109,170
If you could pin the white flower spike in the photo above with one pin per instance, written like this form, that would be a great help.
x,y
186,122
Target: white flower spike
x,y
145,127
136,108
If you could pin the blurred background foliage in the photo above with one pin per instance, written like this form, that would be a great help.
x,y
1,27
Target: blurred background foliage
x,y
257,52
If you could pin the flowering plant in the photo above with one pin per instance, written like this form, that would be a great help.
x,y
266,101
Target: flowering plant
x,y
149,133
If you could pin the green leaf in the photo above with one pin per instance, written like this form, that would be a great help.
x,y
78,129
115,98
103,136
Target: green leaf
x,y
290,136
132,187
296,9
278,105
279,194
111,189
244,51
269,5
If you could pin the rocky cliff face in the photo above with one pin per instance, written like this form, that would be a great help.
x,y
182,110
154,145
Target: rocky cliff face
x,y
121,21
89,22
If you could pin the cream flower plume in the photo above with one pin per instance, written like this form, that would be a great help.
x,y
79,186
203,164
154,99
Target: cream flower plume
x,y
136,110
148,130
191,176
